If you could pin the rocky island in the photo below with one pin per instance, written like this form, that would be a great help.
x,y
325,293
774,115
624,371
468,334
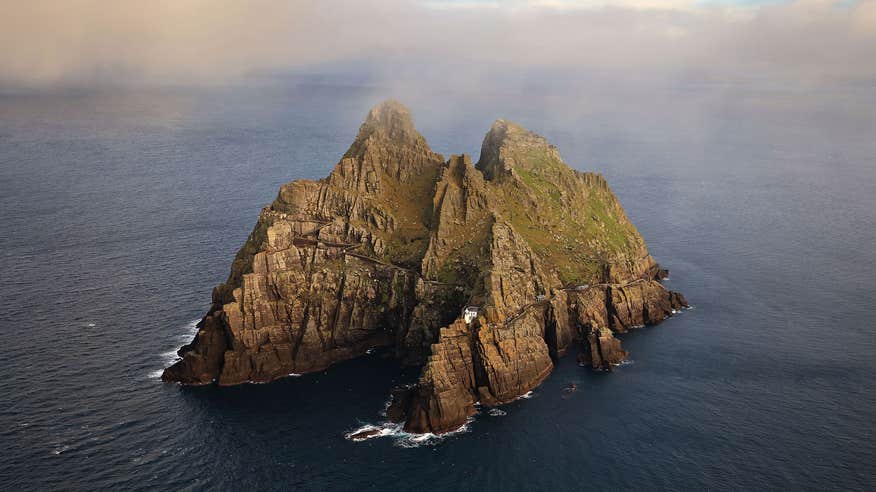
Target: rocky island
x,y
482,274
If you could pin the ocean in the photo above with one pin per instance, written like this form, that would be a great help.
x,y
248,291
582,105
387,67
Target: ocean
x,y
121,210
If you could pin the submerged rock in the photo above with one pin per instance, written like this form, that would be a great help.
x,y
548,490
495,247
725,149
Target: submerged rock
x,y
390,248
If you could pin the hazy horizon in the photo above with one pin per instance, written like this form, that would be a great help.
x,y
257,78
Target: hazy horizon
x,y
437,44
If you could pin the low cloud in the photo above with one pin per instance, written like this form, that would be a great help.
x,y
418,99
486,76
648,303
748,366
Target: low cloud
x,y
90,42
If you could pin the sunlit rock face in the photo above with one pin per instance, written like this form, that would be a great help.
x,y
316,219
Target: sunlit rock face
x,y
392,246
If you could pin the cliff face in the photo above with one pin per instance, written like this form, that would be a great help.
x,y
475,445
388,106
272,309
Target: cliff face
x,y
395,242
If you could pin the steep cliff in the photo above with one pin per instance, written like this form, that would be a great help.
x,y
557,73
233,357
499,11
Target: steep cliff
x,y
395,242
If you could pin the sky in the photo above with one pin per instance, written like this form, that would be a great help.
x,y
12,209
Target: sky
x,y
50,43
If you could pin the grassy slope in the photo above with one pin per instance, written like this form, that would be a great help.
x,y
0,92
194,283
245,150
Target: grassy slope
x,y
572,224
411,207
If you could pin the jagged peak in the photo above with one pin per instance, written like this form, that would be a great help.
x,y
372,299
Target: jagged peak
x,y
459,162
457,168
507,128
507,132
390,122
391,113
506,145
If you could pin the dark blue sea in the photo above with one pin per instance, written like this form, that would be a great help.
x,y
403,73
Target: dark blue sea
x,y
120,210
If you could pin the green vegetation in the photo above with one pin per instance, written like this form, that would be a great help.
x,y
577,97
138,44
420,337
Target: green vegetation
x,y
411,209
573,226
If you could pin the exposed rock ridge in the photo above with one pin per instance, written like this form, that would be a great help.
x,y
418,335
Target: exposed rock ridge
x,y
391,246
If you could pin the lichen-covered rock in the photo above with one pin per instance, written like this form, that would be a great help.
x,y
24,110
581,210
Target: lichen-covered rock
x,y
391,247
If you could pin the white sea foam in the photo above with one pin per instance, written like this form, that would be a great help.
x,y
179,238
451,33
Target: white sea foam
x,y
408,440
382,430
683,309
497,412
171,356
526,396
403,439
60,449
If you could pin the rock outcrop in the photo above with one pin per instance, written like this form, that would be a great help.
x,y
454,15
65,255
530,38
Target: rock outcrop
x,y
390,248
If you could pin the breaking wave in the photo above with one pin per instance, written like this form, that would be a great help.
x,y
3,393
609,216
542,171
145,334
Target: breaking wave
x,y
171,356
681,310
401,438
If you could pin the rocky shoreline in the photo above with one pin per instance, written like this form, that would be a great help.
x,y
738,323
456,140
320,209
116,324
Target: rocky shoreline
x,y
397,243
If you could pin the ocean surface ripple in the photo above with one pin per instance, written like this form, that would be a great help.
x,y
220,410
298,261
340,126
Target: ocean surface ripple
x,y
121,211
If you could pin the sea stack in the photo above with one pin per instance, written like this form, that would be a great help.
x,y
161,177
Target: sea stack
x,y
483,274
